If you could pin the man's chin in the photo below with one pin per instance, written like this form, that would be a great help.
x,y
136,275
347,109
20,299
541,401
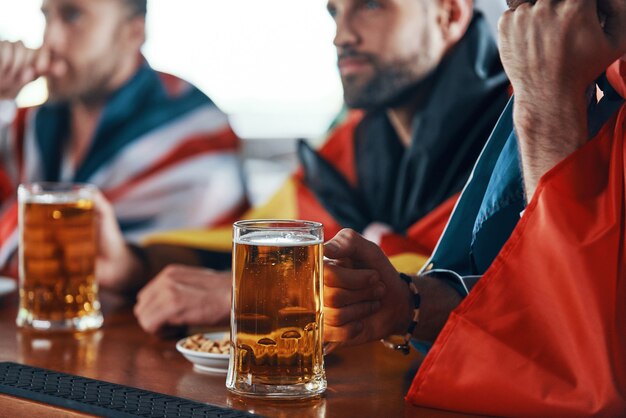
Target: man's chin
x,y
55,92
366,104
378,99
56,97
58,94
354,94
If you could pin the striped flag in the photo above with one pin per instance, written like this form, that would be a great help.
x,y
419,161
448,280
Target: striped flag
x,y
163,154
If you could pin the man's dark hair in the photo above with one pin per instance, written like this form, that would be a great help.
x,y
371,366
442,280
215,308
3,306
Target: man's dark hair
x,y
138,8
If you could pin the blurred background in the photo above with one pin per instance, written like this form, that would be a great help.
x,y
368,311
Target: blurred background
x,y
269,64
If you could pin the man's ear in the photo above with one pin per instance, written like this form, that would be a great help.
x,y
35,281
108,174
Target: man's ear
x,y
454,19
137,31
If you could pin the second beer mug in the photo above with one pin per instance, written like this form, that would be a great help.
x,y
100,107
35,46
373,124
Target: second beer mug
x,y
57,250
276,317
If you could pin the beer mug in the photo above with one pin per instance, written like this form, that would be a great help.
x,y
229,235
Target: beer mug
x,y
276,315
57,256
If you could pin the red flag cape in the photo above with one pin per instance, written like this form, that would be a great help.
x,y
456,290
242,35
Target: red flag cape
x,y
543,333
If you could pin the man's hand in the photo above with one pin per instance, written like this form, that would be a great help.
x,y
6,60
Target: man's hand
x,y
181,295
552,52
117,268
364,298
561,45
19,66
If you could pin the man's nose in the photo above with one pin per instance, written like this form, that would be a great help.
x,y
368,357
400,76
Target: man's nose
x,y
54,37
345,34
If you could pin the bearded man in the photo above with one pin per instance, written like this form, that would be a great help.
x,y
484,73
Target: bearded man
x,y
428,86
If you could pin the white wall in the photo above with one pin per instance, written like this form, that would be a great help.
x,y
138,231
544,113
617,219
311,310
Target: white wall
x,y
270,64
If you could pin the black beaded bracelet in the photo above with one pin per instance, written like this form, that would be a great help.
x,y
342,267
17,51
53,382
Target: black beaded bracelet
x,y
417,301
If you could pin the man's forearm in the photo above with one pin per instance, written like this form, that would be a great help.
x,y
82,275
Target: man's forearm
x,y
548,131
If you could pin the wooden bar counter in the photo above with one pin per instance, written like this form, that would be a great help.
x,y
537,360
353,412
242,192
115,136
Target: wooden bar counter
x,y
365,381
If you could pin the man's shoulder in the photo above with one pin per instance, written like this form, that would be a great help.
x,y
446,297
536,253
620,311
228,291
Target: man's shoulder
x,y
174,86
171,99
180,90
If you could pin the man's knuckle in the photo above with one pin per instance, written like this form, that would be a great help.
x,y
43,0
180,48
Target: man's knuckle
x,y
373,276
143,321
141,296
168,270
336,300
330,333
329,274
331,319
349,234
505,21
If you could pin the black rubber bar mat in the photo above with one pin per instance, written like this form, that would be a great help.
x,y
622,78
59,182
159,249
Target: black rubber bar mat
x,y
101,398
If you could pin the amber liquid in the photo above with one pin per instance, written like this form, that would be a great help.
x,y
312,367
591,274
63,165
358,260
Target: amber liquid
x,y
277,313
57,260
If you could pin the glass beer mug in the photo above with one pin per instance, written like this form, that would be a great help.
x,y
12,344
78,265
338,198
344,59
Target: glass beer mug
x,y
57,256
276,315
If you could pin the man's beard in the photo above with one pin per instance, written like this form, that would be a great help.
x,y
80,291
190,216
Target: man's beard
x,y
88,89
389,85
89,84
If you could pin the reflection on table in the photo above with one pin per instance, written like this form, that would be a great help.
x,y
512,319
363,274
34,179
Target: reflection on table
x,y
365,381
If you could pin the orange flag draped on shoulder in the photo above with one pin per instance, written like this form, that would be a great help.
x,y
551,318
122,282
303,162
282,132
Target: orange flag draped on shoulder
x,y
543,333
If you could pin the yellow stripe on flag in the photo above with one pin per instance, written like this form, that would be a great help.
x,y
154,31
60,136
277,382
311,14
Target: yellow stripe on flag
x,y
408,263
281,206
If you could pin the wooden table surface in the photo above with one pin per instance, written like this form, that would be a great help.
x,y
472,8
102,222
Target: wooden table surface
x,y
365,381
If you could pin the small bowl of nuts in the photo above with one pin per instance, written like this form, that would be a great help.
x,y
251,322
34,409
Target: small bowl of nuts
x,y
208,352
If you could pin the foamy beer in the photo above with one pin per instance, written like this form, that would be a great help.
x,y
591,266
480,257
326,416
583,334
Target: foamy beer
x,y
57,255
276,316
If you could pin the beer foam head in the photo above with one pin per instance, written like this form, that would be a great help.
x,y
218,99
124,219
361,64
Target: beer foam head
x,y
49,198
278,238
50,192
